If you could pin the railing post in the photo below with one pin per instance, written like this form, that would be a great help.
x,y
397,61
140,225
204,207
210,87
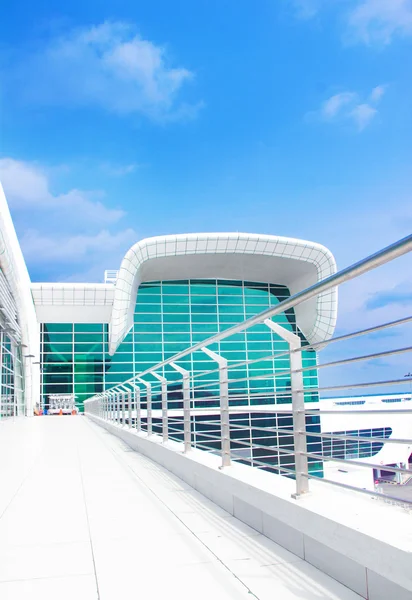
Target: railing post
x,y
187,430
148,405
129,401
128,395
224,404
165,423
137,405
298,406
123,397
112,406
117,407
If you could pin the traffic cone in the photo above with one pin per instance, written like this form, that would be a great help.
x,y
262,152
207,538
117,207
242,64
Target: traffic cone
x,y
61,412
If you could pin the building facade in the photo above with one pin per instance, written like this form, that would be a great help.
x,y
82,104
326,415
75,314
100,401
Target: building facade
x,y
169,293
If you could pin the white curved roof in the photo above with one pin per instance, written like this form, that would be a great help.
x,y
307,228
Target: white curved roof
x,y
237,256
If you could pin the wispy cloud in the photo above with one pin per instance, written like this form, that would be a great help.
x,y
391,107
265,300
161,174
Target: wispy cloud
x,y
377,93
364,21
306,9
380,20
27,187
119,170
57,230
348,106
400,296
109,66
71,249
362,115
334,105
383,295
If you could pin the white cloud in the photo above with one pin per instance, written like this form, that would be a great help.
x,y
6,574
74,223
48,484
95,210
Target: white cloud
x,y
119,170
365,21
363,114
27,186
372,298
306,9
335,103
47,248
107,65
347,106
64,232
380,20
377,93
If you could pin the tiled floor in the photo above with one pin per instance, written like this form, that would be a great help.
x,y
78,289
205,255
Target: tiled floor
x,y
83,517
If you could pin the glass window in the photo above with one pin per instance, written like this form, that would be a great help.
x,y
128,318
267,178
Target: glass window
x,y
59,338
149,328
167,299
142,308
229,290
174,308
199,318
210,328
142,349
57,348
147,299
207,288
57,327
172,288
176,329
235,300
91,347
88,327
88,338
176,318
204,309
57,357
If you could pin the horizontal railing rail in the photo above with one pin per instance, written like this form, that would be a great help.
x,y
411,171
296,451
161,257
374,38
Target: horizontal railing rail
x,y
265,411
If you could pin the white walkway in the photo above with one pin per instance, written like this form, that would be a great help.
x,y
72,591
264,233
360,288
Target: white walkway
x,y
83,517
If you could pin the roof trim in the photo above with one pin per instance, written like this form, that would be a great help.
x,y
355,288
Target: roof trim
x,y
303,263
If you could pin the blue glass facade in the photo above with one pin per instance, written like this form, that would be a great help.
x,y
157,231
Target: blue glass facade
x,y
169,317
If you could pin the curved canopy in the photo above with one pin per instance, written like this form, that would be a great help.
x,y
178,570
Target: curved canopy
x,y
237,256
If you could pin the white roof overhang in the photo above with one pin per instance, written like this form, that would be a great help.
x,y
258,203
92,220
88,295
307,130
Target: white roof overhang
x,y
294,263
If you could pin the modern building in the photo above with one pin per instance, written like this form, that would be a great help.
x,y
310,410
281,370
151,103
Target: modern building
x,y
169,293
60,340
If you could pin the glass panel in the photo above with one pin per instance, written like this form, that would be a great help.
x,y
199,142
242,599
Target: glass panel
x,y
57,357
175,299
176,318
172,328
224,300
143,308
88,327
91,347
206,289
149,328
57,348
57,327
147,299
171,288
52,338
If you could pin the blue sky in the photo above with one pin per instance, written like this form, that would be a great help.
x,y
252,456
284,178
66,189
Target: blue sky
x,y
122,120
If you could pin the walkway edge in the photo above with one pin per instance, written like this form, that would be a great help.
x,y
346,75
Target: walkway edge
x,y
376,569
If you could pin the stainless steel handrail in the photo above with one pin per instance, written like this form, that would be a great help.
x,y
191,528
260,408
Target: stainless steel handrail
x,y
301,459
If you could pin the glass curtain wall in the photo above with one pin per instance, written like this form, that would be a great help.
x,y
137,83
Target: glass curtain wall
x,y
11,380
169,317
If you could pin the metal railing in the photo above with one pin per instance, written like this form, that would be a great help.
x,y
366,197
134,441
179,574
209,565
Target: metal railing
x,y
266,412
